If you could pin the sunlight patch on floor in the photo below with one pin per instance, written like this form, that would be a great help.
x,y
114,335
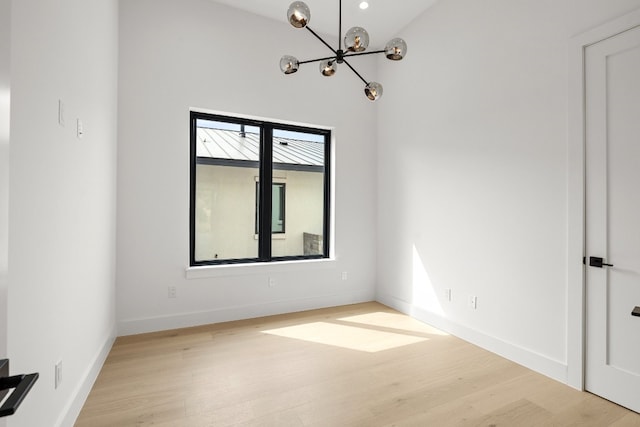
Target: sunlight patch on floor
x,y
393,321
350,337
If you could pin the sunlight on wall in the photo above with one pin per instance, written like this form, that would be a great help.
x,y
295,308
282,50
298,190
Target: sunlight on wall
x,y
5,99
424,294
349,337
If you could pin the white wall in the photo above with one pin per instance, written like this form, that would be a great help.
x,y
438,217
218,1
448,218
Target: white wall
x,y
62,200
473,172
197,54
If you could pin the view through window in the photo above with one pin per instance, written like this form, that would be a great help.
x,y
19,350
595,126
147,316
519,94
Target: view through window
x,y
259,191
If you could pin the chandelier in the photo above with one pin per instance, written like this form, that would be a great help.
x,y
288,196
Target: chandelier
x,y
356,42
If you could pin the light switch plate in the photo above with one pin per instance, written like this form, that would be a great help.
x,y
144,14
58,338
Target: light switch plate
x,y
80,129
60,112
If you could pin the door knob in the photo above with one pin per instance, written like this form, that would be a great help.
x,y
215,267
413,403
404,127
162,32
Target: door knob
x,y
595,261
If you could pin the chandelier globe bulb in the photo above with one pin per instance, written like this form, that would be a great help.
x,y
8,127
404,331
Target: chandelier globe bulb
x,y
299,14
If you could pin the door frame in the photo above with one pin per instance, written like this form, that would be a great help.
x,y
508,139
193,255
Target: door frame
x,y
576,177
5,123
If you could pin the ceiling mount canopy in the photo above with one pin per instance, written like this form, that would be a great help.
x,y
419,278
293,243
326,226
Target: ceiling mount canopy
x,y
356,42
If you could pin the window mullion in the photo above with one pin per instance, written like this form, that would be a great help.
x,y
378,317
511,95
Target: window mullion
x,y
266,188
327,194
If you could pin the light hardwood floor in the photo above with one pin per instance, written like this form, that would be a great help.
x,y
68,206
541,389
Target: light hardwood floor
x,y
358,365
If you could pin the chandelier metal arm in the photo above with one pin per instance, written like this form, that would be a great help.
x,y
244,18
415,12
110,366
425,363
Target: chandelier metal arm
x,y
364,53
320,38
316,60
308,61
335,58
357,73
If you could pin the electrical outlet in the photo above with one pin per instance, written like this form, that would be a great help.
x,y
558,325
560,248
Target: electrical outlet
x,y
447,294
173,292
345,276
58,375
473,302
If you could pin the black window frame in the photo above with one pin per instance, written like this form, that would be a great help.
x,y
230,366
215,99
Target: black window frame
x,y
265,183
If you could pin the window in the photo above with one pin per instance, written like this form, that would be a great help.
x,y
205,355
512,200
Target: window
x,y
259,191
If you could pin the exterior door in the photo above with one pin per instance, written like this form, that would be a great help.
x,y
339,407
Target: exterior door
x,y
612,94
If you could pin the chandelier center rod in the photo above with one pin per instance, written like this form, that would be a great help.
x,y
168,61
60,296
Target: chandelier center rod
x,y
340,28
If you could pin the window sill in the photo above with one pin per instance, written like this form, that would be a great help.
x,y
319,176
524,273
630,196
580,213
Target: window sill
x,y
227,270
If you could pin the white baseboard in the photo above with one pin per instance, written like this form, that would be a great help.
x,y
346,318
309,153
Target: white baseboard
x,y
227,314
71,411
527,358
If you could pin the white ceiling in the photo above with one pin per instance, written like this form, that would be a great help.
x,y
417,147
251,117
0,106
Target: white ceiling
x,y
383,20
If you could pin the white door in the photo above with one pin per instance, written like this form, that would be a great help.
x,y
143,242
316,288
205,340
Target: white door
x,y
612,93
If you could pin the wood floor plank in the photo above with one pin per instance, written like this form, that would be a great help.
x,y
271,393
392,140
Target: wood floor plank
x,y
519,413
359,365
